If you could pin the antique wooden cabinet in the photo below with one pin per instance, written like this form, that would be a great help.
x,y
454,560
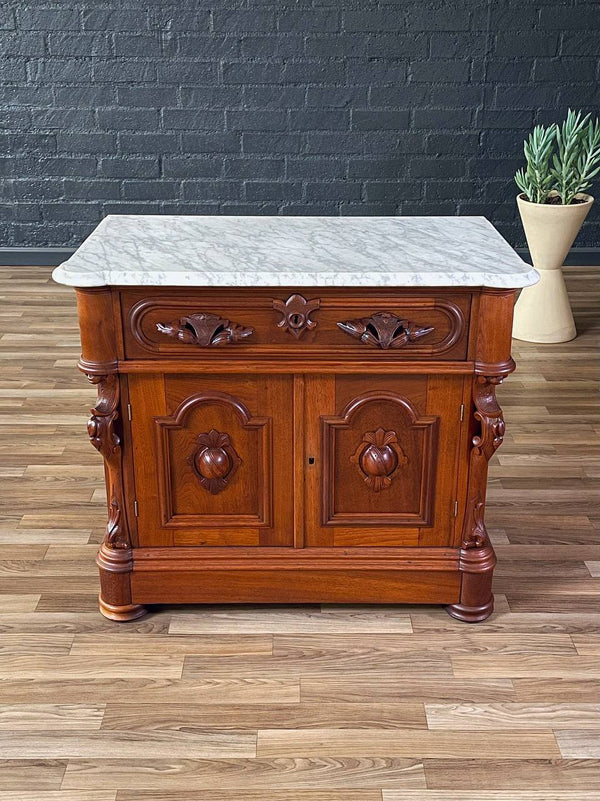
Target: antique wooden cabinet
x,y
276,432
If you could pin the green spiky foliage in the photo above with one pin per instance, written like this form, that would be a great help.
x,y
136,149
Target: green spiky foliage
x,y
578,157
561,158
536,180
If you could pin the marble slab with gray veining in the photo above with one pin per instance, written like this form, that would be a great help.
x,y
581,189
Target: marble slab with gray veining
x,y
152,250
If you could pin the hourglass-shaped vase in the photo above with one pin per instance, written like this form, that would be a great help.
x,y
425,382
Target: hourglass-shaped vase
x,y
543,312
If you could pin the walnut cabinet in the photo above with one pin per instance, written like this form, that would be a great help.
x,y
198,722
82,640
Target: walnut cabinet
x,y
296,445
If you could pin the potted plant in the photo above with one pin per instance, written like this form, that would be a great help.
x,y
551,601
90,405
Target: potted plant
x,y
561,160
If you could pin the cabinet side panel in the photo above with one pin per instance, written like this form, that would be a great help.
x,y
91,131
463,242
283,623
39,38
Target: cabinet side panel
x,y
301,465
444,398
320,396
279,397
148,400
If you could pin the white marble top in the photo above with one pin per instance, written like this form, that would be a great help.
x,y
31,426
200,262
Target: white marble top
x,y
152,250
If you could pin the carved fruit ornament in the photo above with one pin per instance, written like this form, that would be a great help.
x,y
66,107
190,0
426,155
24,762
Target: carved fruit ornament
x,y
214,460
378,458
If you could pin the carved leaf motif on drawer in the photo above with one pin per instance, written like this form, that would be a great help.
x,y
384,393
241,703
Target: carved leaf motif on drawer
x,y
385,330
205,330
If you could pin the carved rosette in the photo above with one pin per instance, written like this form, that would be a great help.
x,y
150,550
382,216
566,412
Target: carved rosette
x,y
214,460
205,330
104,432
296,314
378,458
384,330
484,444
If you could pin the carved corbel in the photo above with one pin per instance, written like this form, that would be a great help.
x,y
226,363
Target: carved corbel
x,y
115,557
104,432
476,557
483,446
99,363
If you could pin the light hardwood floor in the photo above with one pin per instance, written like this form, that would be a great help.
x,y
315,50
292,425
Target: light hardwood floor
x,y
307,703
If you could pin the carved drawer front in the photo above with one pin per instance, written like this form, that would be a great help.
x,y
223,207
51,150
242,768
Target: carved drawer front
x,y
387,459
211,324
212,459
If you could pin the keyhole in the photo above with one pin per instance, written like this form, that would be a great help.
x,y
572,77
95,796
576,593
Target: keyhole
x,y
311,459
296,320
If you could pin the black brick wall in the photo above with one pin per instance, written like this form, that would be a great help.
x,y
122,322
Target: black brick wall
x,y
290,107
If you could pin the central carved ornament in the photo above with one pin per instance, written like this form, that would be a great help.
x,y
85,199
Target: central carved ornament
x,y
378,458
384,330
296,314
214,460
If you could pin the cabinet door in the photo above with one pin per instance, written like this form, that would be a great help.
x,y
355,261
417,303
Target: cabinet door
x,y
382,460
213,459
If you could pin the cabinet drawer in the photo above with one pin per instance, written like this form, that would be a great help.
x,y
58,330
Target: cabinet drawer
x,y
330,323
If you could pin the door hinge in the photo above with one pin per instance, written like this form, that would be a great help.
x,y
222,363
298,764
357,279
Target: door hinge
x,y
455,508
136,510
462,412
129,411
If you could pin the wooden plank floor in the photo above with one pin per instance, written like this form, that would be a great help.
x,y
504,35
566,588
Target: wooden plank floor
x,y
307,703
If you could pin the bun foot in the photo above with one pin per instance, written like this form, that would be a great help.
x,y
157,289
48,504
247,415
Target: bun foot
x,y
476,601
121,613
471,614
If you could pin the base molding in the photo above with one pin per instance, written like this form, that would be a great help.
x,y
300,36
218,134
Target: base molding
x,y
302,586
371,576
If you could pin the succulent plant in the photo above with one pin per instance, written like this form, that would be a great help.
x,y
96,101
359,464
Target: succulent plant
x,y
561,159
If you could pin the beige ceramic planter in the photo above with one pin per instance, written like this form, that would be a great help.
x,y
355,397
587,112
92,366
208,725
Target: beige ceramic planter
x,y
543,312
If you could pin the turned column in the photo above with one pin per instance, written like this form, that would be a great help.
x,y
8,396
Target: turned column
x,y
99,363
492,364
